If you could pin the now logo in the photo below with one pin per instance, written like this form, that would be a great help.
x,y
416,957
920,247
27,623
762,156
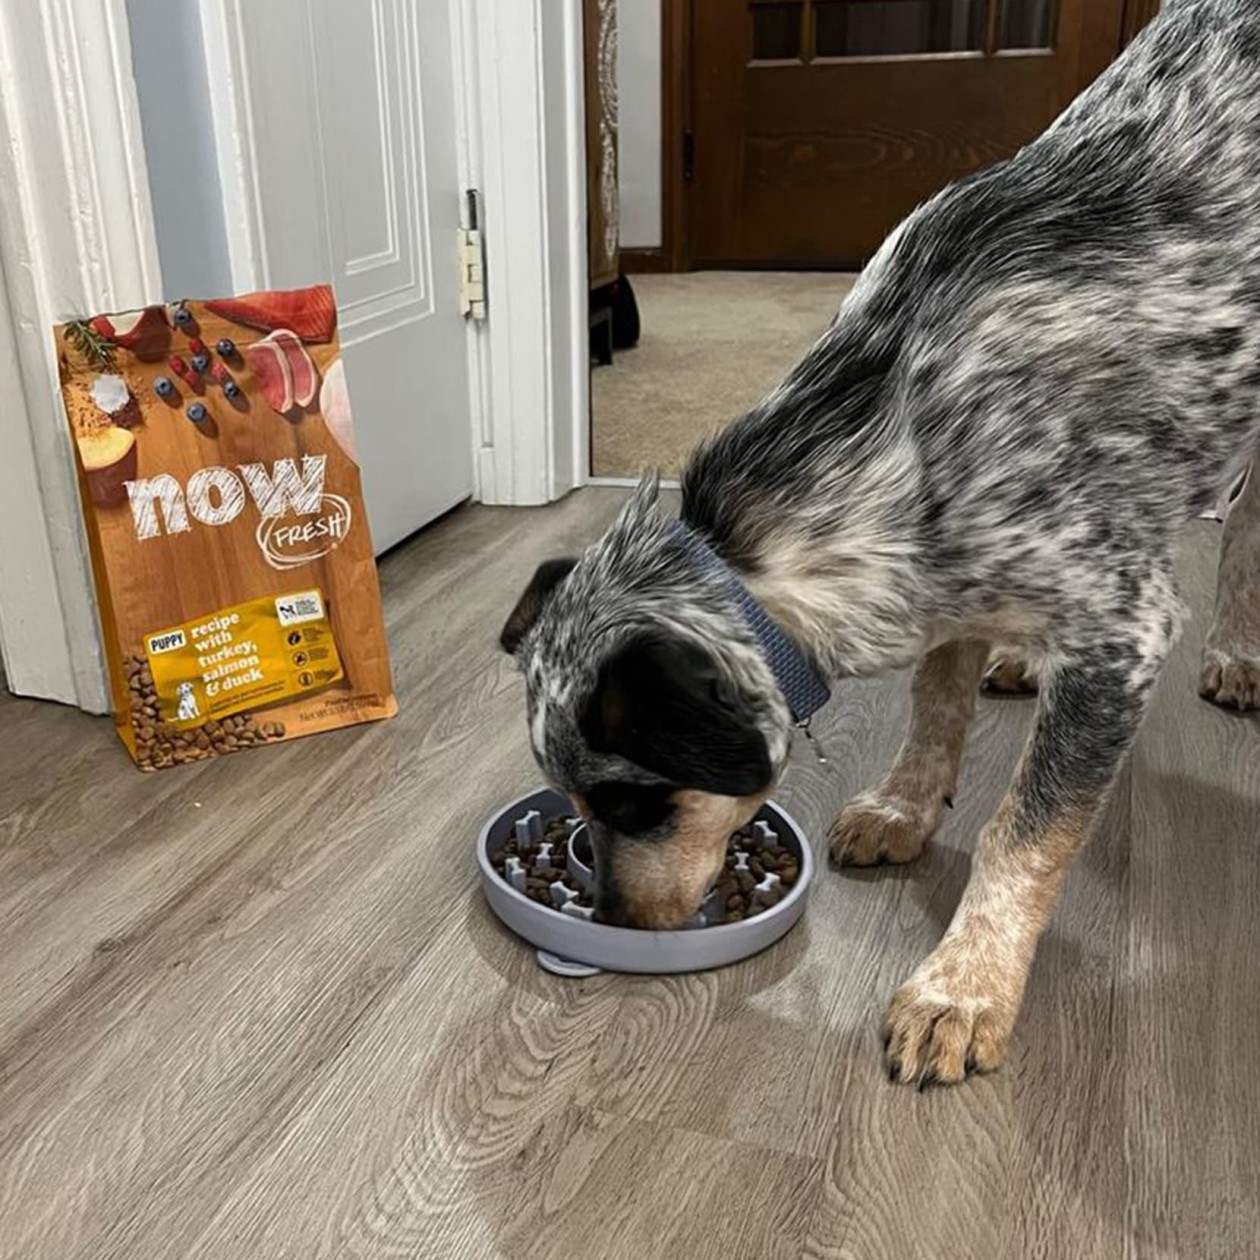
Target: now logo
x,y
216,496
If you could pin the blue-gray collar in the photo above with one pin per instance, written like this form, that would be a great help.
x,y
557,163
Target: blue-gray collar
x,y
804,692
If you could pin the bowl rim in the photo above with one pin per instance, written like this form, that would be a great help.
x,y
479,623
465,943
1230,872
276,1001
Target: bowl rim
x,y
611,932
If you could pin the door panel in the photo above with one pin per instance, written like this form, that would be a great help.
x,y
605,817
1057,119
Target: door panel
x,y
351,125
819,124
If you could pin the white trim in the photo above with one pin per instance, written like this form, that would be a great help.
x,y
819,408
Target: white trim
x,y
629,483
523,72
76,238
575,351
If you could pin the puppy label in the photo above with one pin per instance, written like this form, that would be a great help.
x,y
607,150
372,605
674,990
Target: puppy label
x,y
172,641
241,658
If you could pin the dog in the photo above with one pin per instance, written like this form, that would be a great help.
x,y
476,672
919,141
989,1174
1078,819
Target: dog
x,y
188,709
1043,374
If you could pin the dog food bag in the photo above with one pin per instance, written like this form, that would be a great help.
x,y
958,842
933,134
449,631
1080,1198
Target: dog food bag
x,y
230,547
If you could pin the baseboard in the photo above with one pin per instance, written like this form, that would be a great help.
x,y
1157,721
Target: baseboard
x,y
629,483
639,262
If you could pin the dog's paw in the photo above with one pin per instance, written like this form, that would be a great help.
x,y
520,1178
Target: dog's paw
x,y
1009,674
947,1022
874,828
1230,679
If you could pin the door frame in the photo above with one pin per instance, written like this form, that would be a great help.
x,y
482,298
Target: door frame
x,y
672,254
76,236
520,143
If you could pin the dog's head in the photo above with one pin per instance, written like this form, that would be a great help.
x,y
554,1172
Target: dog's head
x,y
650,705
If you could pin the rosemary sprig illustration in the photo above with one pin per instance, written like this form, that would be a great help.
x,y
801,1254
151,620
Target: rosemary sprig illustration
x,y
88,342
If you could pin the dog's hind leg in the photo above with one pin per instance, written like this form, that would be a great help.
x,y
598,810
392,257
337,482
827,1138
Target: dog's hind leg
x,y
892,822
1231,655
956,1012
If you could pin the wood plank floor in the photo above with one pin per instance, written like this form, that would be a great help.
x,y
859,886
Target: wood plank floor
x,y
257,1007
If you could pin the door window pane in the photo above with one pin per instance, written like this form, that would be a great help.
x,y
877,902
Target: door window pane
x,y
1028,23
776,32
897,28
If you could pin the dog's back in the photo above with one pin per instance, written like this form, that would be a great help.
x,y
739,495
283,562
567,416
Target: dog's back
x,y
1068,339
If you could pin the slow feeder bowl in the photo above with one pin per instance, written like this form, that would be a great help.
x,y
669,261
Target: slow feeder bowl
x,y
570,943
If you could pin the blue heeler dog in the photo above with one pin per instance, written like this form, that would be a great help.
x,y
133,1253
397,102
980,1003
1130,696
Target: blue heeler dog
x,y
1043,374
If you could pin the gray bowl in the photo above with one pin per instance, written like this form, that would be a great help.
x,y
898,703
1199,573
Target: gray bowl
x,y
573,945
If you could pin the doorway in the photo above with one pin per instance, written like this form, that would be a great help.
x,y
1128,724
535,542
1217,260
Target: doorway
x,y
791,137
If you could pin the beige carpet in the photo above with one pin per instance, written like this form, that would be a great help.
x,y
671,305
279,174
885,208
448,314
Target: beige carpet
x,y
713,343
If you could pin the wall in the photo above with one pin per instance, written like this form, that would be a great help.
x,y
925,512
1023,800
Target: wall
x,y
168,58
639,122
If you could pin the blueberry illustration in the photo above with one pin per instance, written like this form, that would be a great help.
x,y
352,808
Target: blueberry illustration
x,y
226,347
162,387
231,389
197,413
200,362
183,316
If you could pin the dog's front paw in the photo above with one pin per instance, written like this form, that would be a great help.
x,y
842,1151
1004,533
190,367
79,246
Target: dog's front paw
x,y
1230,679
949,1020
874,828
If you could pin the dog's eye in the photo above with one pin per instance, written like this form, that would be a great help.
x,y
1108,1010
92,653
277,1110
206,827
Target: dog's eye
x,y
630,808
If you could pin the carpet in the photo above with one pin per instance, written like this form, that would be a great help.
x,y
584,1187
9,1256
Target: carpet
x,y
713,344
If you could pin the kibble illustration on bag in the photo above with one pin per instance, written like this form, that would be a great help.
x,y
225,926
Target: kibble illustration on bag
x,y
230,548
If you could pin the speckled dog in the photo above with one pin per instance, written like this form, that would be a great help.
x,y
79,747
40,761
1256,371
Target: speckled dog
x,y
1045,372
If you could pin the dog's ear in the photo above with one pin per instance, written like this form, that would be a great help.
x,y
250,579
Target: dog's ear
x,y
663,703
547,577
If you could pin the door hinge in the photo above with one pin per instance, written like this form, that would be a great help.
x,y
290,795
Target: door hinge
x,y
689,154
472,261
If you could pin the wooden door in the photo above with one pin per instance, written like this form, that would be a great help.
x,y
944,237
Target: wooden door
x,y
348,119
820,124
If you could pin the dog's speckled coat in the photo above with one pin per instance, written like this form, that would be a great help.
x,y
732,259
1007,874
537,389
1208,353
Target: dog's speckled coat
x,y
1045,372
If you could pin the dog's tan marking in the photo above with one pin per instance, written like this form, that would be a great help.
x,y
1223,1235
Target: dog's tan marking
x,y
956,1012
1230,673
892,822
662,882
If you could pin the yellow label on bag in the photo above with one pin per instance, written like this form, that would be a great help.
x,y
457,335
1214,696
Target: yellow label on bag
x,y
242,658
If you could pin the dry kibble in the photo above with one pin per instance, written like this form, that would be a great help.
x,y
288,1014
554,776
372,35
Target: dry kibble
x,y
735,893
159,745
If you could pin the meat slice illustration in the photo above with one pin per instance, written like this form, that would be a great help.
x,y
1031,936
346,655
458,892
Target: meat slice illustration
x,y
270,366
301,369
310,313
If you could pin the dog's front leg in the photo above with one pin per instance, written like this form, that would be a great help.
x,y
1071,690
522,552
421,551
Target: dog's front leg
x,y
892,821
956,1013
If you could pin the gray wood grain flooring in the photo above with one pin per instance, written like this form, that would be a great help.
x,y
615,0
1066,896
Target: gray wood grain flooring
x,y
257,1008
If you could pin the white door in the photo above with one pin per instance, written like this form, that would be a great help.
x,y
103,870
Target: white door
x,y
339,157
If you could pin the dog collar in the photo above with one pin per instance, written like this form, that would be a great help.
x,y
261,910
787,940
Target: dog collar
x,y
804,692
